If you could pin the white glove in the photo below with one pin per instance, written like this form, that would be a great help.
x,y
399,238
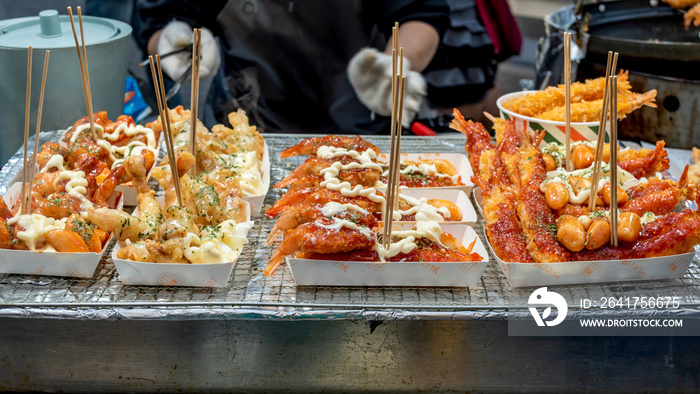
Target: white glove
x,y
370,71
178,34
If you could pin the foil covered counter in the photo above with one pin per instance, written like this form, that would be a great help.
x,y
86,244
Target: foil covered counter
x,y
251,296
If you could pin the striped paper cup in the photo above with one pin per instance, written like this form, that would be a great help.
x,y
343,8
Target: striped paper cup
x,y
554,131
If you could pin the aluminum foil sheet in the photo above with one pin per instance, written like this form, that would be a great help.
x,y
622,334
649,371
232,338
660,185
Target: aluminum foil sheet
x,y
251,296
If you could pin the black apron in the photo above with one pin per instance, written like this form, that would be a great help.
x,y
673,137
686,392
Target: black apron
x,y
287,64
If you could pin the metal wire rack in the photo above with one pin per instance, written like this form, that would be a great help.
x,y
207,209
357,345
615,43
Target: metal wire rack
x,y
251,295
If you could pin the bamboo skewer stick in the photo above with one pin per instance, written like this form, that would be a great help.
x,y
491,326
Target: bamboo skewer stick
x,y
567,98
28,97
194,95
613,160
394,154
389,205
157,74
38,116
397,157
400,84
91,115
169,140
83,68
597,162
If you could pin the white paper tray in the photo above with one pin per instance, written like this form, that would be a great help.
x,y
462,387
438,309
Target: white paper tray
x,y
78,265
153,274
256,201
458,197
595,271
308,272
599,271
460,161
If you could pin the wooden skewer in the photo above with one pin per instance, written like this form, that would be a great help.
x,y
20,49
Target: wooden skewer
x,y
157,74
397,159
567,98
169,140
400,81
597,162
91,115
38,116
613,160
391,189
88,101
194,95
28,97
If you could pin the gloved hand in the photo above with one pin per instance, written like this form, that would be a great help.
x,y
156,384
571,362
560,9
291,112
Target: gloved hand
x,y
178,34
370,71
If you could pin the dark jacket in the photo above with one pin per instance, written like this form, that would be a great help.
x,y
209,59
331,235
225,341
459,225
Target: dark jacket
x,y
286,60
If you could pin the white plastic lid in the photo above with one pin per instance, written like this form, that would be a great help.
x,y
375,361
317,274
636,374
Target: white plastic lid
x,y
50,30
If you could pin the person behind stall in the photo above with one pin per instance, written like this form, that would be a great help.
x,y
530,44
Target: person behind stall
x,y
462,74
301,66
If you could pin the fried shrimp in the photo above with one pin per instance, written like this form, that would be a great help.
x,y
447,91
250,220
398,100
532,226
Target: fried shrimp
x,y
310,145
586,100
501,221
589,111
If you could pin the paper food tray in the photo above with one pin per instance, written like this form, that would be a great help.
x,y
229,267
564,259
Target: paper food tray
x,y
308,272
456,196
458,160
256,201
595,271
78,265
158,274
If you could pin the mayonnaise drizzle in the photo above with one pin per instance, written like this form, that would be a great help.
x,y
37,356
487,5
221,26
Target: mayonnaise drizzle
x,y
133,148
215,246
558,151
35,227
75,187
247,166
426,229
333,208
427,216
422,210
560,175
425,169
80,128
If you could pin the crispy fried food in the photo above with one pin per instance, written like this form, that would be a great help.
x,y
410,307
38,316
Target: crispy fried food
x,y
66,241
312,166
425,174
586,101
323,236
315,195
76,224
366,177
5,235
123,225
305,213
552,97
590,111
535,215
674,234
691,16
426,250
5,212
501,221
310,145
694,170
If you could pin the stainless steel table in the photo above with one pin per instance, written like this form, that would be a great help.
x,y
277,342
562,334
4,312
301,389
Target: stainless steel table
x,y
261,334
